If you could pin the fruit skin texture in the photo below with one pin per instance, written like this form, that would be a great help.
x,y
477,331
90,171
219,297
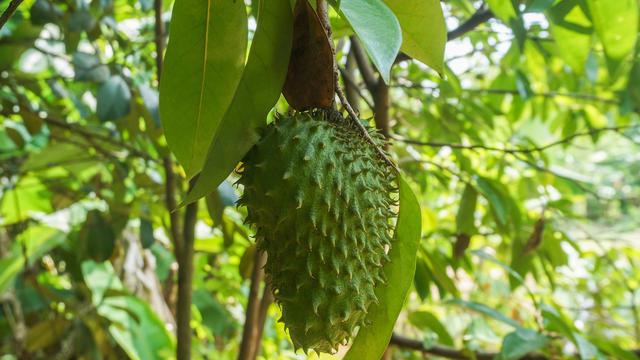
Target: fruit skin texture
x,y
320,200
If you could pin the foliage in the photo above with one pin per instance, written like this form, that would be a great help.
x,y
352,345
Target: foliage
x,y
520,146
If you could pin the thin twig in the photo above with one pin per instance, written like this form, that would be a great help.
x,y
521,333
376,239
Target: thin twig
x,y
550,94
562,141
101,137
8,12
363,130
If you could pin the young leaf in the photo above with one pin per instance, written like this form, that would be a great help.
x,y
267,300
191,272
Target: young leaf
x,y
203,65
372,340
616,23
255,95
424,32
378,29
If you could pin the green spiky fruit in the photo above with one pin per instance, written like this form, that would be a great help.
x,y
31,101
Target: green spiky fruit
x,y
320,199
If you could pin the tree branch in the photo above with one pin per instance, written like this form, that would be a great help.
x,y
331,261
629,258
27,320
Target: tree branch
x,y
8,12
159,36
351,84
381,104
267,299
185,280
351,88
171,183
449,353
542,148
481,16
250,331
366,70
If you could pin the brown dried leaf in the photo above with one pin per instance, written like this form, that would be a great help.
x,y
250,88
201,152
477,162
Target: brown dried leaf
x,y
310,79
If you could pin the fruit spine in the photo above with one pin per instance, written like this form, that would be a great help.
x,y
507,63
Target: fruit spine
x,y
320,199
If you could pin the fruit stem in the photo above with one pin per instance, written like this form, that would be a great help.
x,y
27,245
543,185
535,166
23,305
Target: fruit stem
x,y
322,9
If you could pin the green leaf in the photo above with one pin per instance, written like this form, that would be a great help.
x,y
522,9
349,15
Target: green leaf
x,y
255,95
214,315
616,23
372,340
146,233
439,270
218,200
498,201
613,349
378,29
485,310
421,279
81,20
203,65
28,196
572,32
504,266
87,67
129,316
97,237
37,240
424,31
586,349
539,5
522,342
555,321
503,9
46,333
43,12
426,320
53,154
465,216
114,99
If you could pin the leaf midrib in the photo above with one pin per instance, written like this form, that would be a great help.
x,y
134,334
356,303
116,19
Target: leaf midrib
x,y
202,82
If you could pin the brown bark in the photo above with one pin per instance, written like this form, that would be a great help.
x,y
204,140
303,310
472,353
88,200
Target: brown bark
x,y
251,330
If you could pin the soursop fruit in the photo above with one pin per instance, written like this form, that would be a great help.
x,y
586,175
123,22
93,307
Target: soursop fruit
x,y
321,201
